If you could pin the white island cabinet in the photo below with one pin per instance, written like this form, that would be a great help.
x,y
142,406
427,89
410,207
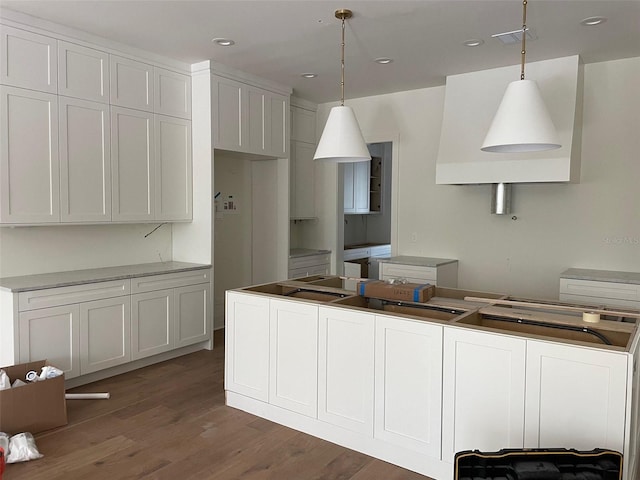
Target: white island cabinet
x,y
346,369
414,391
247,345
408,384
92,327
483,392
293,356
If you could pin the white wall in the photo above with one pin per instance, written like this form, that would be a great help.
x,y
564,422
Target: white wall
x,y
593,224
232,239
30,250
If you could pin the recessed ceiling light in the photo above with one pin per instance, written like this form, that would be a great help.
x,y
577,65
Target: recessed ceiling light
x,y
309,75
223,42
592,21
383,60
473,42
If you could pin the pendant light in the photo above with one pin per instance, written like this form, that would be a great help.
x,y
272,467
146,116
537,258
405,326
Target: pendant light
x,y
522,123
341,139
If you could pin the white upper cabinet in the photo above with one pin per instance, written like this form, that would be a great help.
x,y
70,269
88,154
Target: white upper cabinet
x,y
173,192
131,84
302,168
172,93
85,161
83,72
303,124
277,125
471,101
29,167
29,60
132,165
356,187
249,119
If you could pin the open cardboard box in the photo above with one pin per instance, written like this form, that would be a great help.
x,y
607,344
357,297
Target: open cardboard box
x,y
34,407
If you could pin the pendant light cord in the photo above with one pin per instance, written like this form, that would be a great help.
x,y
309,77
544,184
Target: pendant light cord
x,y
524,34
342,68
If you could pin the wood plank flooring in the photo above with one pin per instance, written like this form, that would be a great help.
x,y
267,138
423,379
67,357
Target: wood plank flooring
x,y
169,421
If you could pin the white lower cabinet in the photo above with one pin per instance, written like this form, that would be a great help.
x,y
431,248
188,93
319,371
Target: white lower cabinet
x,y
346,369
86,328
152,323
408,384
192,307
483,392
53,334
293,356
247,345
105,334
576,397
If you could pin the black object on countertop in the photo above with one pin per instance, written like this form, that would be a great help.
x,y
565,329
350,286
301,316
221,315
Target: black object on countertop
x,y
538,464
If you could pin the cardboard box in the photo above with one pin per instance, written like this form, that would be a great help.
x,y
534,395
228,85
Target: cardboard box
x,y
407,292
34,407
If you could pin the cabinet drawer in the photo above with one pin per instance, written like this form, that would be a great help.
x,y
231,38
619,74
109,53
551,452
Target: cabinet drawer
x,y
52,297
169,280
308,261
600,291
381,251
391,270
356,253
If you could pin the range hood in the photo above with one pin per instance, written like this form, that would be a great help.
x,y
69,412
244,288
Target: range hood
x,y
471,100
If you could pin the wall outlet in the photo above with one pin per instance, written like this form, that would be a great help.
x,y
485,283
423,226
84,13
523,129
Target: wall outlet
x,y
414,237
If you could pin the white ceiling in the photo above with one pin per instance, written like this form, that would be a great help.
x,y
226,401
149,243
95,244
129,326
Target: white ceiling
x,y
279,40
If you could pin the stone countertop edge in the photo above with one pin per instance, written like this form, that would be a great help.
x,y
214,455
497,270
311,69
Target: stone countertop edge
x,y
418,261
306,252
42,281
601,275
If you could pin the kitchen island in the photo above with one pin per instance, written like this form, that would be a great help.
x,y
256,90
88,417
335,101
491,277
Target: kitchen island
x,y
414,383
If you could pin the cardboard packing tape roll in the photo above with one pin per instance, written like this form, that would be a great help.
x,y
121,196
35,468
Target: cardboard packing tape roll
x,y
590,317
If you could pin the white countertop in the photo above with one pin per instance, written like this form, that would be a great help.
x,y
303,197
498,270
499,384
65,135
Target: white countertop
x,y
601,275
305,252
79,277
418,261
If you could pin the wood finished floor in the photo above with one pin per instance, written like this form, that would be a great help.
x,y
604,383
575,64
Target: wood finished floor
x,y
169,421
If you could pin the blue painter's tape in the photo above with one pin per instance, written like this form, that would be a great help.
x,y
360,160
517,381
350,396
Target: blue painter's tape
x,y
417,290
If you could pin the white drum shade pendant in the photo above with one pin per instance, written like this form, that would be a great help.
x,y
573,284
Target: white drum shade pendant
x,y
341,139
522,122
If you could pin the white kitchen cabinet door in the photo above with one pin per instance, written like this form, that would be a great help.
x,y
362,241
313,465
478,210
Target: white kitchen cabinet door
x,y
277,125
302,180
483,392
105,334
28,60
228,114
52,334
408,385
173,166
131,83
576,397
85,161
132,165
256,139
293,378
303,125
193,314
29,165
83,72
172,92
346,369
152,323
247,345
356,187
